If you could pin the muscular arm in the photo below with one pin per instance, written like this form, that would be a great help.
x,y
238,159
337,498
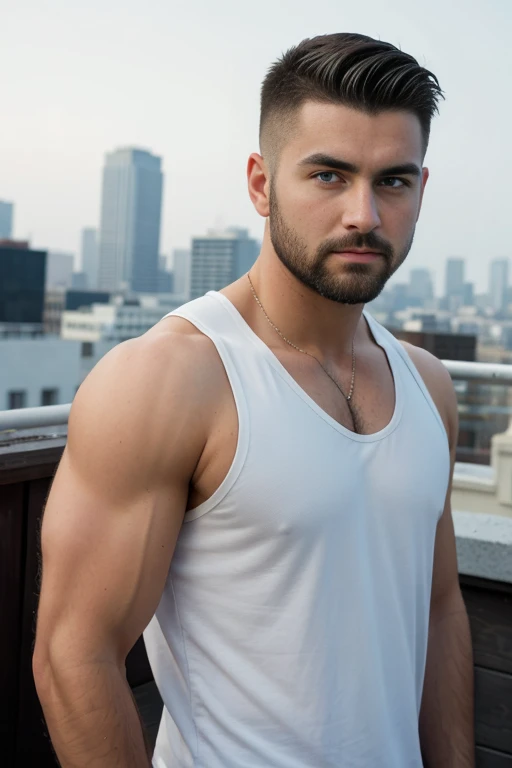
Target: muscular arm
x,y
136,432
446,718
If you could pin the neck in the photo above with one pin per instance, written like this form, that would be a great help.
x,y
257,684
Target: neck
x,y
318,325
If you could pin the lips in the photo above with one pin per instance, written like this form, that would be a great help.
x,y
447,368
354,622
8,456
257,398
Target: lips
x,y
358,255
361,253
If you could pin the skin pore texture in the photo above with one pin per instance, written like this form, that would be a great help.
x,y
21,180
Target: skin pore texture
x,y
153,431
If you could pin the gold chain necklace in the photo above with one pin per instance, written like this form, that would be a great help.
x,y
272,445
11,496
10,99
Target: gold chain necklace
x,y
347,397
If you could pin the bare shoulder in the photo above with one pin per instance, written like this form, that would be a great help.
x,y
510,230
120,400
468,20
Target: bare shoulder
x,y
439,383
149,400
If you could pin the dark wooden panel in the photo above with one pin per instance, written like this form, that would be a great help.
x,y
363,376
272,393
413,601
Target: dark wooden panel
x,y
11,588
150,707
490,616
31,460
487,584
489,758
138,670
33,742
493,709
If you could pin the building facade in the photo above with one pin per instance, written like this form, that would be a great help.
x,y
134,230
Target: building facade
x,y
89,253
420,289
181,271
22,281
6,216
129,239
220,258
454,283
121,319
498,285
44,371
59,270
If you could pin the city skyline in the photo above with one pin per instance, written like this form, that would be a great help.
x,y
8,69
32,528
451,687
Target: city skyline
x,y
81,89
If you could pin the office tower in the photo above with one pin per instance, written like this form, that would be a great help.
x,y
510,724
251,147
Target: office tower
x,y
89,254
420,289
22,282
165,277
454,285
6,214
181,271
79,281
59,269
498,284
399,297
219,258
469,294
129,240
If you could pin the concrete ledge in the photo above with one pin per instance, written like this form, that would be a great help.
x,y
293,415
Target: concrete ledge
x,y
484,545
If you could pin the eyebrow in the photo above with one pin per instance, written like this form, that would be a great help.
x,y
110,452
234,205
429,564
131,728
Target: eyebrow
x,y
406,169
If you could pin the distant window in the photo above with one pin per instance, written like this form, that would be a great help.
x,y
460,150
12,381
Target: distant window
x,y
49,396
17,399
87,349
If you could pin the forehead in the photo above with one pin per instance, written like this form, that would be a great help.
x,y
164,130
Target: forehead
x,y
369,141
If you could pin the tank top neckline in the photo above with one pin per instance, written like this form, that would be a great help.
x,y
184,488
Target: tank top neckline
x,y
274,361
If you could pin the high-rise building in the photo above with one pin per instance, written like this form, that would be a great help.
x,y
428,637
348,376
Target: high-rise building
x,y
469,294
220,258
498,284
420,289
454,284
79,281
59,269
165,277
6,213
89,254
129,240
181,271
22,281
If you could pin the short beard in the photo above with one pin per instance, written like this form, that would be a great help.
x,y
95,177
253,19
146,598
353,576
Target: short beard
x,y
358,283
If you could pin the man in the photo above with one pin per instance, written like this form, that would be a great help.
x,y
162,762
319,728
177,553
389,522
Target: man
x,y
262,481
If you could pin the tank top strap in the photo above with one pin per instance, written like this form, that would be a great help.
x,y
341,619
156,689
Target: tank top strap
x,y
389,342
209,316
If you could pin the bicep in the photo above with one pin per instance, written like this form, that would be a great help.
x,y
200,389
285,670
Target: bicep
x,y
104,563
116,505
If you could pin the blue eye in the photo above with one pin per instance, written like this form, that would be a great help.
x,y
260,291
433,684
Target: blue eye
x,y
327,173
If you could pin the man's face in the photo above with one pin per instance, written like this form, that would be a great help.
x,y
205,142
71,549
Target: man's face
x,y
347,180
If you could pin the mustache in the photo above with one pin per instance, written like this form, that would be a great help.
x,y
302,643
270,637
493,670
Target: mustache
x,y
359,240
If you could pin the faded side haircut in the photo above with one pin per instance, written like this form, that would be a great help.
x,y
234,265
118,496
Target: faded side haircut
x,y
349,69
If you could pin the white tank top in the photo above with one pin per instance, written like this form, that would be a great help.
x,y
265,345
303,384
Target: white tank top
x,y
292,630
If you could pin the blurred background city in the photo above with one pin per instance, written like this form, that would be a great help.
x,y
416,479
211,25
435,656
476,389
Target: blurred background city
x,y
122,192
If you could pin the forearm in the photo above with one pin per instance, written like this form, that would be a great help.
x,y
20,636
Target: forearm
x,y
92,717
447,719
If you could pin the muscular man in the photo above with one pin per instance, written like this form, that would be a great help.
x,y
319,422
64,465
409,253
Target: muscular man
x,y
261,482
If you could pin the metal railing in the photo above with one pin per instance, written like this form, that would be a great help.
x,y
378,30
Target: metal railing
x,y
53,415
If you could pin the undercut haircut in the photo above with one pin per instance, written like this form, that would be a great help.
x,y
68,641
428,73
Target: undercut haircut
x,y
348,69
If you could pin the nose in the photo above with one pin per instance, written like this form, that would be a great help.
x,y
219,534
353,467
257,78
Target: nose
x,y
360,208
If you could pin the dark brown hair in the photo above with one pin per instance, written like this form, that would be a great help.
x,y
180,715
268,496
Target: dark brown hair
x,y
349,69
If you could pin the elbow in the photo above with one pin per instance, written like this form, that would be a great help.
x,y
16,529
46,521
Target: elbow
x,y
42,668
65,658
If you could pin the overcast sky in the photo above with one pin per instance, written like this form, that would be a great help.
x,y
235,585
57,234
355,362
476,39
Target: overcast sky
x,y
182,79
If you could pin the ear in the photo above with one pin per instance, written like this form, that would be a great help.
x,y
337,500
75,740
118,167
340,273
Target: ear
x,y
424,178
258,183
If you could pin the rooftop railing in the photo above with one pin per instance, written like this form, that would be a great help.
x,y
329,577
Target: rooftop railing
x,y
50,415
